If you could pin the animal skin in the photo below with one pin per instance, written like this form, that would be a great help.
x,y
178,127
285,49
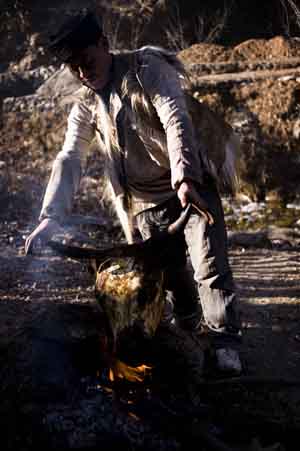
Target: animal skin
x,y
129,291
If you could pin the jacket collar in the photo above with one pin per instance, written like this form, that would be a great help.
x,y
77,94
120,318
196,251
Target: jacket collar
x,y
121,65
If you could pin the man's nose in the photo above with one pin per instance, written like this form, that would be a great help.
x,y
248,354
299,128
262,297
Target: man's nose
x,y
82,72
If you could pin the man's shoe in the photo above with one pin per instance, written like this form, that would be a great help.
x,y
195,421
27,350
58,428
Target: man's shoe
x,y
228,361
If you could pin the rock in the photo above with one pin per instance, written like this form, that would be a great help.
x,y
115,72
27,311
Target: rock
x,y
272,237
249,239
62,82
16,84
290,236
28,104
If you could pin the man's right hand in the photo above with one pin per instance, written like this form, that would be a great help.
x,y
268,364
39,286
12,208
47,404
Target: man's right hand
x,y
43,232
187,192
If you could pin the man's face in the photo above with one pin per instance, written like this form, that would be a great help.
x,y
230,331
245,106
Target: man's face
x,y
92,66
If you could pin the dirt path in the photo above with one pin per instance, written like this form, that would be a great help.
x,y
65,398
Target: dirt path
x,y
47,312
269,286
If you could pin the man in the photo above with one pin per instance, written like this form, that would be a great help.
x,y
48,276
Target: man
x,y
135,104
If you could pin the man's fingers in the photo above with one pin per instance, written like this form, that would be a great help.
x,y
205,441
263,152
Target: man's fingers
x,y
28,246
185,196
183,202
42,233
210,218
30,243
187,193
32,240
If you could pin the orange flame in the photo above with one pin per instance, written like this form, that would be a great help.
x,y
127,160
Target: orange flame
x,y
121,370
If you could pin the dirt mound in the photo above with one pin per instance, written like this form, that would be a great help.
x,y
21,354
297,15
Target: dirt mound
x,y
251,50
204,53
276,48
258,91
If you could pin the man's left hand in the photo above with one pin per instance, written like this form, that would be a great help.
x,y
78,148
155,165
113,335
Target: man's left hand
x,y
188,193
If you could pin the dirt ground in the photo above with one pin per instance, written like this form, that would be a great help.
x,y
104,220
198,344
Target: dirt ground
x,y
48,314
268,283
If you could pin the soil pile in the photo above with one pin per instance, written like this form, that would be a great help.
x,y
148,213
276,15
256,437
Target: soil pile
x,y
262,102
253,49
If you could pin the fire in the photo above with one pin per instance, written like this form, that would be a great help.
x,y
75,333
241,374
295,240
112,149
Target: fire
x,y
121,370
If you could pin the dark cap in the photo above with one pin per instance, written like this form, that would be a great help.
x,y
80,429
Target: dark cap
x,y
77,33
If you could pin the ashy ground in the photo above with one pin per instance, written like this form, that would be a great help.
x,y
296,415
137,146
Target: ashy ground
x,y
48,323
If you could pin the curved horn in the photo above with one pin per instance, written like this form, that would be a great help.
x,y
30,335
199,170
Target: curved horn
x,y
207,215
77,252
180,223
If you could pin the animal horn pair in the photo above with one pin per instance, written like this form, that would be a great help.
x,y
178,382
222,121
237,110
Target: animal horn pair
x,y
126,250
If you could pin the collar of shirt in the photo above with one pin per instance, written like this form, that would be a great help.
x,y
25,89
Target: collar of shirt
x,y
106,91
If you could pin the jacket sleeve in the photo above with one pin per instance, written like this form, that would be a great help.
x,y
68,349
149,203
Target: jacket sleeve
x,y
161,82
66,171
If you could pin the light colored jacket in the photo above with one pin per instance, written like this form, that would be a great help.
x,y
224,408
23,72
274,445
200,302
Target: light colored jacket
x,y
146,132
144,160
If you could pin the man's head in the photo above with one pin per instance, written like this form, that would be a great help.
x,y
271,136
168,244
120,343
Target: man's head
x,y
81,44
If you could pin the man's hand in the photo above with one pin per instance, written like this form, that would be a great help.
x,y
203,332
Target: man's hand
x,y
187,193
44,232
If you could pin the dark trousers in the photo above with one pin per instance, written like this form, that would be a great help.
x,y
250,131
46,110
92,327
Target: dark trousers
x,y
199,253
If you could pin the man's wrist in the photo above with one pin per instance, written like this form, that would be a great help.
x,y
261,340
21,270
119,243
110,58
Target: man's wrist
x,y
188,181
